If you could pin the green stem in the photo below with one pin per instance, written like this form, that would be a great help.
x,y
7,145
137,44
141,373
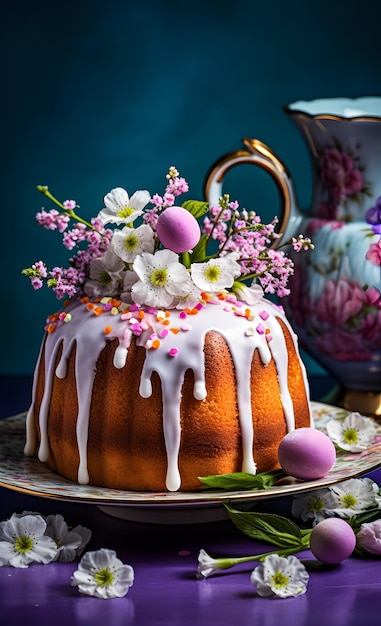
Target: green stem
x,y
45,192
229,562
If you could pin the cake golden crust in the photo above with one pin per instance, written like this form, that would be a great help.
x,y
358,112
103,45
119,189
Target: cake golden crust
x,y
126,445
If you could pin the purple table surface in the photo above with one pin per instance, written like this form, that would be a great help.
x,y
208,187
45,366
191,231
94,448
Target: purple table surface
x,y
164,557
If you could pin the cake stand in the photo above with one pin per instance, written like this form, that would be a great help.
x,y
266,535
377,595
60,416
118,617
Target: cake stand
x,y
28,475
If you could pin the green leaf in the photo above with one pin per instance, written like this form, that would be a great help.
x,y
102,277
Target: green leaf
x,y
198,208
243,480
199,251
270,528
365,517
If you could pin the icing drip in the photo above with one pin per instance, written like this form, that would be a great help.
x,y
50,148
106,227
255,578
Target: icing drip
x,y
170,354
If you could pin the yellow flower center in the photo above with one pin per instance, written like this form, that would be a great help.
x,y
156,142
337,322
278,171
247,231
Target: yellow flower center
x,y
351,435
23,544
125,211
316,505
131,242
104,278
348,500
279,580
212,273
104,577
159,277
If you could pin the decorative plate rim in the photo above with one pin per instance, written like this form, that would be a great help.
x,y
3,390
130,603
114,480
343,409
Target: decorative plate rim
x,y
29,476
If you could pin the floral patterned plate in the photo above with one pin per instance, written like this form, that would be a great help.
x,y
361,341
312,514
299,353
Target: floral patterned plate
x,y
29,476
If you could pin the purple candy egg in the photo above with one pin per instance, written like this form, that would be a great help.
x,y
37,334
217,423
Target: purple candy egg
x,y
177,229
306,453
332,540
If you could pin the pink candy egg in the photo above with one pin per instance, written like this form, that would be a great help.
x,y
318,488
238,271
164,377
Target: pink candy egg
x,y
306,453
177,229
332,540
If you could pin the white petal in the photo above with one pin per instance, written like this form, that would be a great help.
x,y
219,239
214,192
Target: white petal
x,y
139,199
116,199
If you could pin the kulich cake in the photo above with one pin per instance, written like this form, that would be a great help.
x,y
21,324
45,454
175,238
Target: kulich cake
x,y
205,391
162,366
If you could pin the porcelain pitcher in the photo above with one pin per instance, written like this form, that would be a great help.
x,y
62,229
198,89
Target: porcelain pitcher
x,y
335,300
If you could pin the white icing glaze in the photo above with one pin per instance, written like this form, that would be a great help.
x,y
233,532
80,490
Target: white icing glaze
x,y
242,333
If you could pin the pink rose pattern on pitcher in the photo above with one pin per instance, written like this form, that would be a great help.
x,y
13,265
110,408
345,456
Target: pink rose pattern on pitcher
x,y
342,316
342,178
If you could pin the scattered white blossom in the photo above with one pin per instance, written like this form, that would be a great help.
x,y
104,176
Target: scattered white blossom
x,y
69,543
355,495
120,208
369,537
102,574
162,279
315,505
23,541
355,433
280,576
129,242
207,565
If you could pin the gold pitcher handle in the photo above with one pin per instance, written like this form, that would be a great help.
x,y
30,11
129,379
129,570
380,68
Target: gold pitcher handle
x,y
257,153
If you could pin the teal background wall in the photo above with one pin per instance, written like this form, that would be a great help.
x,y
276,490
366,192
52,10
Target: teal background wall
x,y
105,93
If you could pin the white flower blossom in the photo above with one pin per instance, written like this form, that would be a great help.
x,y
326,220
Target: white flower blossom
x,y
129,242
369,537
315,505
162,279
207,565
102,574
129,279
355,495
120,208
216,274
190,300
23,541
70,543
251,295
355,433
106,273
280,576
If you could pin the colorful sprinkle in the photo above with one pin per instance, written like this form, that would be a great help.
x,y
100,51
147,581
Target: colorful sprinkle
x,y
173,352
230,297
183,315
260,329
174,330
163,333
114,310
107,330
186,327
264,315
